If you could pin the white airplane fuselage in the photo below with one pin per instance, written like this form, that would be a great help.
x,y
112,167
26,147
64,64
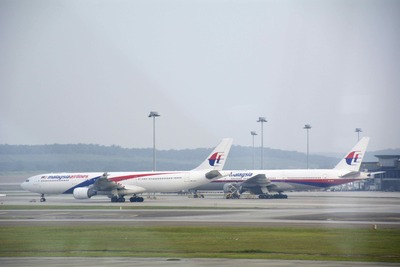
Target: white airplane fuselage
x,y
286,180
65,183
261,182
117,185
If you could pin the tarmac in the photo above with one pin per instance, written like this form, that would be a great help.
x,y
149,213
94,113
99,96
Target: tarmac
x,y
301,209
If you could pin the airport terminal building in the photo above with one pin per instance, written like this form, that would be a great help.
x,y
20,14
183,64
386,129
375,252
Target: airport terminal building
x,y
387,181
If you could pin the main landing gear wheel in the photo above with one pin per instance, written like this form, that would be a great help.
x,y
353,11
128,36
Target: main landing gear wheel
x,y
233,195
268,196
42,199
136,199
117,199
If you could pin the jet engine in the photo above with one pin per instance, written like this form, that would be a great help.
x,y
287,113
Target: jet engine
x,y
83,193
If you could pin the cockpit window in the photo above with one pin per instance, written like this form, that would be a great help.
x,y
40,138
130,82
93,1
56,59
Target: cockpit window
x,y
27,180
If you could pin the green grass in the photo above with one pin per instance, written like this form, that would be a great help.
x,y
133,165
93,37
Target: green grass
x,y
380,245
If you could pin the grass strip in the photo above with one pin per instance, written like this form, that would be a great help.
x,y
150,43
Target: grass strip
x,y
201,242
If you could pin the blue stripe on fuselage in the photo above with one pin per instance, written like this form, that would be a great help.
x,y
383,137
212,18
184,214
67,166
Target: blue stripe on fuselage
x,y
83,184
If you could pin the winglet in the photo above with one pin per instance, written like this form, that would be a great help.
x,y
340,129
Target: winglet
x,y
216,160
352,160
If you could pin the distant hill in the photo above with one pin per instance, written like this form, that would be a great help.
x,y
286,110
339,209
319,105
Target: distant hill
x,y
370,156
87,157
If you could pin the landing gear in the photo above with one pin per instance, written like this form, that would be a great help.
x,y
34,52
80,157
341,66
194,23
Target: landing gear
x,y
275,196
232,190
117,199
42,198
196,195
121,199
136,199
232,195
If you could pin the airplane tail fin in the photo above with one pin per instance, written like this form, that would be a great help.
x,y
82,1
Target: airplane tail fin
x,y
216,160
352,160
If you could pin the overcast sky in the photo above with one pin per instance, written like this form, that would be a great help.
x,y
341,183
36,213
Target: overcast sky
x,y
91,71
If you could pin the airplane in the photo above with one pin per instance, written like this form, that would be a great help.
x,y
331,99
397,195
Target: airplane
x,y
116,185
262,182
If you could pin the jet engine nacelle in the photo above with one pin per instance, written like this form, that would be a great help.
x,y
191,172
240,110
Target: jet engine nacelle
x,y
83,193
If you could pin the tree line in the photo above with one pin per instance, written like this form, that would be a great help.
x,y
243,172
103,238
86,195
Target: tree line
x,y
92,157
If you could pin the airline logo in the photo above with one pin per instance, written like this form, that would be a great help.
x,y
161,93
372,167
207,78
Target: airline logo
x,y
354,158
241,174
65,177
215,158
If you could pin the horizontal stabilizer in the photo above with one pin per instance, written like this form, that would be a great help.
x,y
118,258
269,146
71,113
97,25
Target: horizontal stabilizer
x,y
371,174
350,175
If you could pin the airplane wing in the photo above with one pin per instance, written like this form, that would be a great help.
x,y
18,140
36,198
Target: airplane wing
x,y
257,184
358,174
104,184
257,180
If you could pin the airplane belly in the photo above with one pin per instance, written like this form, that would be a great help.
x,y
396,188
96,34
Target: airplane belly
x,y
283,186
211,186
172,184
293,186
154,185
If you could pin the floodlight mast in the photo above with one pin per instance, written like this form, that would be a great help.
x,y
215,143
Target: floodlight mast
x,y
358,131
262,120
307,127
253,133
154,114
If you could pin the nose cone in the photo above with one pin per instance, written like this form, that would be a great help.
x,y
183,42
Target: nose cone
x,y
24,185
27,185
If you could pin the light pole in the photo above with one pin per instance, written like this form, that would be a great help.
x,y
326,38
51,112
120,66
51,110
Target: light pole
x,y
358,131
307,127
253,133
262,120
154,114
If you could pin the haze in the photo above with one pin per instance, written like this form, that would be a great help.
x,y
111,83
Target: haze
x,y
91,72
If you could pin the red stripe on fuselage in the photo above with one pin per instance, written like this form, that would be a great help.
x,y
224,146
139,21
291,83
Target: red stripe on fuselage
x,y
310,181
134,176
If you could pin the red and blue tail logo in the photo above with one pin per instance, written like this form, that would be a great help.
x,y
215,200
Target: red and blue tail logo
x,y
353,158
215,158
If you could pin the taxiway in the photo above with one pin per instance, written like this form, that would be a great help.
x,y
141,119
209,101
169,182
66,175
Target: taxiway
x,y
308,209
304,209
